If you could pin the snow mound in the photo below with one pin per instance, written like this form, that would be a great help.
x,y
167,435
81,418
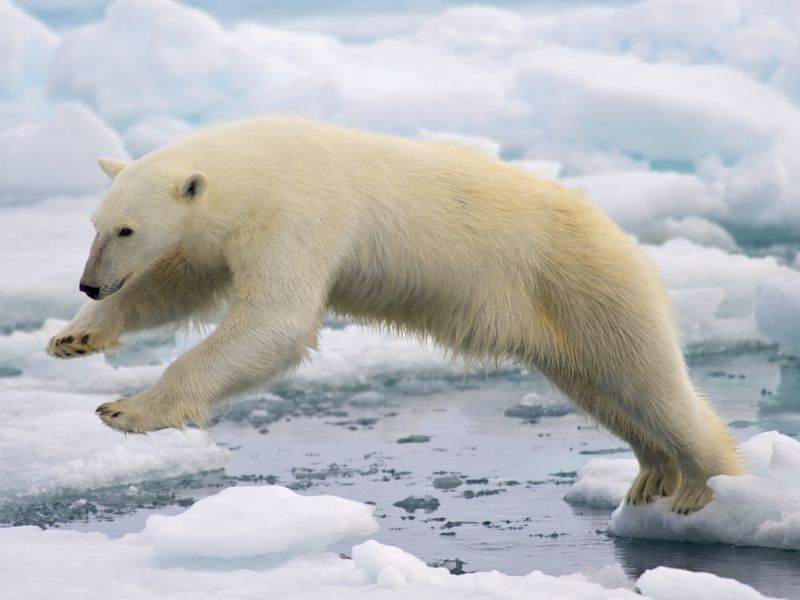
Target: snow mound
x,y
714,293
665,583
778,309
53,441
700,97
249,521
26,47
50,438
758,509
603,482
57,155
238,523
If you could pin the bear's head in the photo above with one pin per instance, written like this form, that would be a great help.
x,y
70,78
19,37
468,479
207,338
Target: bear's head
x,y
146,211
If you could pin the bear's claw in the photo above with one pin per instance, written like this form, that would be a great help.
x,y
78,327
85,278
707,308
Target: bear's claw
x,y
691,497
128,415
74,345
652,483
112,418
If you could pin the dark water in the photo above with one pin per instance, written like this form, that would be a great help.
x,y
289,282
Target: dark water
x,y
489,486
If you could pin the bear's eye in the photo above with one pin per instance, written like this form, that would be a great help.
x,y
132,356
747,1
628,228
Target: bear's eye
x,y
125,232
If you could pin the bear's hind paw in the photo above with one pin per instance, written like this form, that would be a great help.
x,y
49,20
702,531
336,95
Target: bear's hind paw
x,y
691,497
652,483
126,416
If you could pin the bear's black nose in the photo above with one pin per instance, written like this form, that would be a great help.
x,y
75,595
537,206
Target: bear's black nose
x,y
90,291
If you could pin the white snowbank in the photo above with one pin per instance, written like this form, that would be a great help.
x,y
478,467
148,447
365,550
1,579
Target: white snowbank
x,y
26,48
714,293
50,438
629,83
758,509
665,583
169,75
42,252
53,441
603,482
778,311
220,549
56,156
248,521
658,206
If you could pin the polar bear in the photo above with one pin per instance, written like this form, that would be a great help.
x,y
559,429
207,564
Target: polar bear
x,y
282,218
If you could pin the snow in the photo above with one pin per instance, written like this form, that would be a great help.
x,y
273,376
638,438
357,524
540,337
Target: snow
x,y
714,293
41,158
680,119
664,583
761,508
219,549
686,92
778,309
26,48
249,521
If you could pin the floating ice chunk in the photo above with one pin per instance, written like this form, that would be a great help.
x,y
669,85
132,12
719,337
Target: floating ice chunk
x,y
714,292
42,252
390,566
376,351
778,311
698,230
637,198
603,482
26,47
758,509
249,521
56,156
101,458
665,583
655,30
153,132
54,401
649,109
765,45
229,526
170,74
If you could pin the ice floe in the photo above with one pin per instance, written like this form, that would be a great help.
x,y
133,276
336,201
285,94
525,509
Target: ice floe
x,y
256,542
761,508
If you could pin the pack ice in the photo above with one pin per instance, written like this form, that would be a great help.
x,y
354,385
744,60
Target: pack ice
x,y
266,542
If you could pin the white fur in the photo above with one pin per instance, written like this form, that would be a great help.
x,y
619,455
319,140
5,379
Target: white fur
x,y
293,217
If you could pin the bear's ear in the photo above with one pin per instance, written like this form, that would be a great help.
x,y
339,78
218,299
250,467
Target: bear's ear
x,y
112,166
193,186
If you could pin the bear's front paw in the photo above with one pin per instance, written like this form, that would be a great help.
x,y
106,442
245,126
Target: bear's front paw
x,y
74,343
148,412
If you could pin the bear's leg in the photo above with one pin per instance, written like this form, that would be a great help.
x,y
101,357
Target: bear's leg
x,y
94,328
273,321
170,289
678,439
658,475
708,450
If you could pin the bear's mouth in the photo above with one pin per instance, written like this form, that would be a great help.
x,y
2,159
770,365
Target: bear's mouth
x,y
115,287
